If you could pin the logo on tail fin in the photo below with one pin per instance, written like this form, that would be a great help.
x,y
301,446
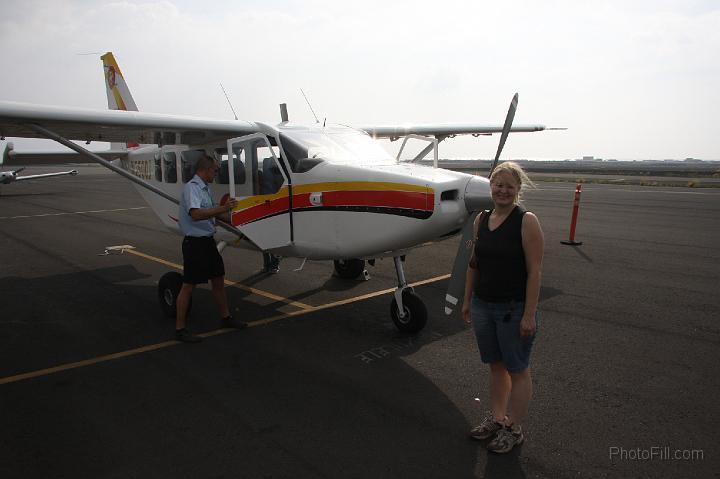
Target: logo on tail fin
x,y
111,77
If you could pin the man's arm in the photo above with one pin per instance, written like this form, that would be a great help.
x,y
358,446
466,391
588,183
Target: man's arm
x,y
198,214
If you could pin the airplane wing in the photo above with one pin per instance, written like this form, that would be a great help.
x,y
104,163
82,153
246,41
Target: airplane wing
x,y
140,127
17,158
116,125
440,130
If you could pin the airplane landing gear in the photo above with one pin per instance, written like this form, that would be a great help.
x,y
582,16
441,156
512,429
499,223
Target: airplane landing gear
x,y
168,289
407,308
350,268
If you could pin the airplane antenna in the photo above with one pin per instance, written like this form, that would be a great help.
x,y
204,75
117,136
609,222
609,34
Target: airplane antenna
x,y
311,108
228,100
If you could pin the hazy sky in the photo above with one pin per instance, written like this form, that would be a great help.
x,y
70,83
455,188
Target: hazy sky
x,y
630,79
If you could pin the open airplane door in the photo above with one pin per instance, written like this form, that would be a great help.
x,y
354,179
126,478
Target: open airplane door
x,y
259,183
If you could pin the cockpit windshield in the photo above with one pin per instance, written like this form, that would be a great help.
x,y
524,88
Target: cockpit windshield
x,y
337,146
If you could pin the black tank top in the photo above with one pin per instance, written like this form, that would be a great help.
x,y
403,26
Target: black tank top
x,y
501,273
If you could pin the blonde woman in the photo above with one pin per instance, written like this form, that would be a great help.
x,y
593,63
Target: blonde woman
x,y
501,298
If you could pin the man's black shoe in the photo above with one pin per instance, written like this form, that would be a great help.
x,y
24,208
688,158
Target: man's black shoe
x,y
230,322
185,336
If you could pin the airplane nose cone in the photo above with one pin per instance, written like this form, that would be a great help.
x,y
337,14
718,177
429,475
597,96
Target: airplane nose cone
x,y
477,194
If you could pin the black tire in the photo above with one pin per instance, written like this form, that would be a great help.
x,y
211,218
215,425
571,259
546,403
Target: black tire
x,y
349,268
415,313
168,290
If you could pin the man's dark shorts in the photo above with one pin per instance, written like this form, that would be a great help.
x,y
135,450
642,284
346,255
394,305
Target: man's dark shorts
x,y
201,260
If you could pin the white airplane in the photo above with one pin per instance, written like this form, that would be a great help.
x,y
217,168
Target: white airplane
x,y
310,192
7,177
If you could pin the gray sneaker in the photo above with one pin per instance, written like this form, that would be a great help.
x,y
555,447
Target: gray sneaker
x,y
487,428
506,439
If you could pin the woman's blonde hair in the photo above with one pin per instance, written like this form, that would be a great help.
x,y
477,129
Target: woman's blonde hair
x,y
516,172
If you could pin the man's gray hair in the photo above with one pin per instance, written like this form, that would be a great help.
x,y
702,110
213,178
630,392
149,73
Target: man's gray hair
x,y
205,162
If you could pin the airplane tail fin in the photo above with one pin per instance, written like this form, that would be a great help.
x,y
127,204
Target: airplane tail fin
x,y
118,93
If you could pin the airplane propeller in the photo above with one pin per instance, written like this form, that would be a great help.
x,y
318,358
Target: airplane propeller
x,y
473,203
506,131
15,173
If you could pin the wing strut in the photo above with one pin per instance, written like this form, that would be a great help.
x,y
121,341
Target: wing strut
x,y
428,148
89,154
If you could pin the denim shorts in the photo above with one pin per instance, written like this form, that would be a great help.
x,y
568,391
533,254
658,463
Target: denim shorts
x,y
497,331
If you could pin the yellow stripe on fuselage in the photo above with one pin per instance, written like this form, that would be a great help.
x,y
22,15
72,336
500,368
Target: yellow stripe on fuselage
x,y
332,186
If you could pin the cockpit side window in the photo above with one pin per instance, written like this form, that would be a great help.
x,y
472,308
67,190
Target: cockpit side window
x,y
270,177
223,177
294,151
189,161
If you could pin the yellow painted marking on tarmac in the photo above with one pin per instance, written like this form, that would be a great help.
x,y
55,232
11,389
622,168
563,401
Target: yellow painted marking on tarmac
x,y
272,296
249,289
86,362
217,332
71,213
153,258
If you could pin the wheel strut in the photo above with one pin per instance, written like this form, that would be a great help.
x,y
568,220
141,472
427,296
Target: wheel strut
x,y
402,285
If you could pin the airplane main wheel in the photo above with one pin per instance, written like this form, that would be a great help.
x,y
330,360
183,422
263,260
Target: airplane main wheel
x,y
349,268
168,290
415,313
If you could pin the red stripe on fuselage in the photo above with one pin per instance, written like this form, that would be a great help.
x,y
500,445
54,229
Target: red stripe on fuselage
x,y
385,199
262,210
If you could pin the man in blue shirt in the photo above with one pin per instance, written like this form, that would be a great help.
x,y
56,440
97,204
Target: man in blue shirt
x,y
201,259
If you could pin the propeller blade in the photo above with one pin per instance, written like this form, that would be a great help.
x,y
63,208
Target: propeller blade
x,y
456,288
18,171
506,130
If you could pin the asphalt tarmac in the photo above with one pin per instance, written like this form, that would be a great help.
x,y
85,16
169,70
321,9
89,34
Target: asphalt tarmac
x,y
322,385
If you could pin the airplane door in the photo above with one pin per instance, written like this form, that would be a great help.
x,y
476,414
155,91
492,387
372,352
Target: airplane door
x,y
259,183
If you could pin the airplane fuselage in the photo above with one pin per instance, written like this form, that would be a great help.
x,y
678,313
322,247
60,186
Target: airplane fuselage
x,y
321,209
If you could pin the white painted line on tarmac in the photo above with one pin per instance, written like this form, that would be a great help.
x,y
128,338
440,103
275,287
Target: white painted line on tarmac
x,y
72,213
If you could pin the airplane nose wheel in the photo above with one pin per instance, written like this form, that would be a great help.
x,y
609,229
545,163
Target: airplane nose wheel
x,y
168,290
415,313
407,310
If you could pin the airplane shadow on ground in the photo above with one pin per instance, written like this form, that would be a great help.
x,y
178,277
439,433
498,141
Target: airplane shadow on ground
x,y
333,283
504,466
297,393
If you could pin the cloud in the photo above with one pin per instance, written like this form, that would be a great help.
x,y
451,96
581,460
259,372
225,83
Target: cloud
x,y
630,80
